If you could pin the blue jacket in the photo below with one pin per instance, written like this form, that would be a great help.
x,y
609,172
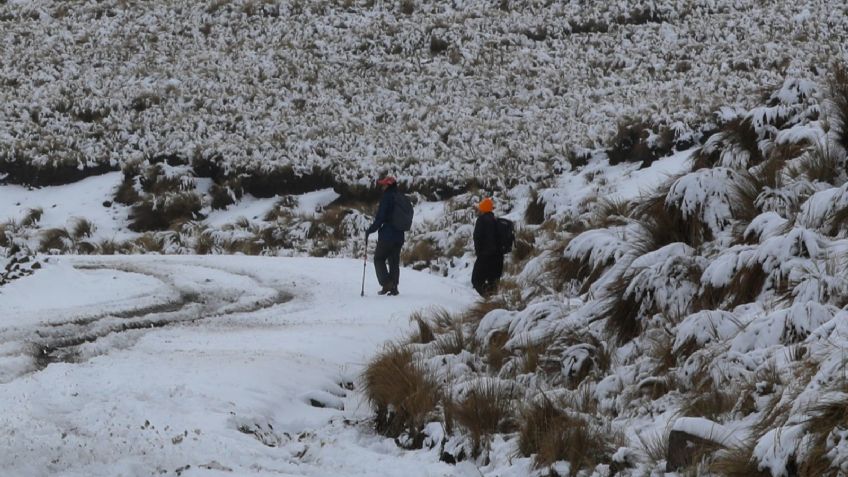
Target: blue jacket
x,y
382,222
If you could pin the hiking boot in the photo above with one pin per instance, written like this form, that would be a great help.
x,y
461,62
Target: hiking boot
x,y
384,291
393,292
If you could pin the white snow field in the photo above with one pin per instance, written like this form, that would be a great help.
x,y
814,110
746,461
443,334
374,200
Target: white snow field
x,y
189,365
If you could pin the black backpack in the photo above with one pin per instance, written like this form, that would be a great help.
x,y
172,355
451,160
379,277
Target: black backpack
x,y
506,235
402,213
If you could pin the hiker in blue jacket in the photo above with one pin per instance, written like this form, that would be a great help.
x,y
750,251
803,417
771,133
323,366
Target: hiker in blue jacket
x,y
389,239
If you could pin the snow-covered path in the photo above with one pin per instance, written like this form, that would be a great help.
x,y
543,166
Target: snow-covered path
x,y
150,365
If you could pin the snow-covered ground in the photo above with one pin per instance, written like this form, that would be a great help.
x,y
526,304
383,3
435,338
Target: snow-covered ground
x,y
149,365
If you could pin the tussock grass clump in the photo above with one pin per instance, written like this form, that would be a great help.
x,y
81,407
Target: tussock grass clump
x,y
126,192
534,214
745,286
421,255
567,271
55,239
839,101
713,403
611,212
404,395
6,229
485,409
739,462
622,310
496,351
82,228
524,248
822,163
630,143
551,434
31,217
163,212
225,194
662,227
827,419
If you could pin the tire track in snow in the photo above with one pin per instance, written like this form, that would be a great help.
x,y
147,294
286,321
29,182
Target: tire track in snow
x,y
75,338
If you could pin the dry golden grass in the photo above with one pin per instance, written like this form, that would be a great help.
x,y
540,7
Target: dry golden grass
x,y
654,446
405,396
55,239
826,417
486,409
496,351
551,434
714,403
737,462
81,229
423,251
611,212
424,334
31,217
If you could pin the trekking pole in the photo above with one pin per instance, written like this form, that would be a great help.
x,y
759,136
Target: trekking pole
x,y
364,264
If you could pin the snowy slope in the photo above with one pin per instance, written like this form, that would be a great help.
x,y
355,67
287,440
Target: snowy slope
x,y
199,366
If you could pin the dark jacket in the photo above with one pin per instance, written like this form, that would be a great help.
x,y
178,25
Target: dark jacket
x,y
486,235
382,221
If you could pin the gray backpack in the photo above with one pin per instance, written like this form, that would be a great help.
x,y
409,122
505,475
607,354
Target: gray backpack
x,y
402,213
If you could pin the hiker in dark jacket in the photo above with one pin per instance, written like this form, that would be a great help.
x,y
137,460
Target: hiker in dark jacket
x,y
489,265
389,239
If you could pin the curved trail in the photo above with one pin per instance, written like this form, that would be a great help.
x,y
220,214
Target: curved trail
x,y
67,334
186,365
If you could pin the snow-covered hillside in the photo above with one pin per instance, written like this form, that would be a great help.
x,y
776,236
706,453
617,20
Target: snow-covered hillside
x,y
323,93
674,305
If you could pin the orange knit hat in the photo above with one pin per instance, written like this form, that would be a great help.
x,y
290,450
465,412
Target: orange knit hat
x,y
486,205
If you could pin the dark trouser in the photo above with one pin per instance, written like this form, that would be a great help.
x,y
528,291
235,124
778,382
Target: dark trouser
x,y
388,278
486,274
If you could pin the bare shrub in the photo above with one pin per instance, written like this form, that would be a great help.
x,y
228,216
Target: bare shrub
x,y
405,396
